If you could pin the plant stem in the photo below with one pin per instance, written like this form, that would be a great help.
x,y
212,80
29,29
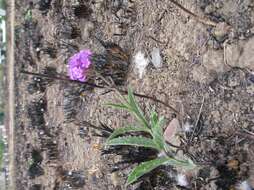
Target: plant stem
x,y
61,78
99,86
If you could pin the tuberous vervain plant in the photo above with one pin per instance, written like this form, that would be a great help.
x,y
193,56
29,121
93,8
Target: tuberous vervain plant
x,y
152,137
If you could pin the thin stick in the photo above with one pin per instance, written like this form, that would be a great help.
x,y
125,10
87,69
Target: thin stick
x,y
155,100
94,127
61,78
158,41
205,21
198,118
100,86
119,91
112,86
247,131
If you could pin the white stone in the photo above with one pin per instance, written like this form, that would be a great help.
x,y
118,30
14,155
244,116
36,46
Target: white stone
x,y
140,63
156,58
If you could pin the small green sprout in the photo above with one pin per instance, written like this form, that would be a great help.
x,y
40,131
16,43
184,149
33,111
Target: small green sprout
x,y
154,128
28,15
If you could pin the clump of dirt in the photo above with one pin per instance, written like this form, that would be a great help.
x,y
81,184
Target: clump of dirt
x,y
238,14
209,80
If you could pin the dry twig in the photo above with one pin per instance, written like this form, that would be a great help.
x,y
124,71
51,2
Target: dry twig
x,y
198,118
205,21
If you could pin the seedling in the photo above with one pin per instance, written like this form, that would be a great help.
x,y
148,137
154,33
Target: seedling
x,y
152,137
29,15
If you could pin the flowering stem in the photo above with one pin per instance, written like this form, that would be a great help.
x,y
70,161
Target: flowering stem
x,y
99,86
62,79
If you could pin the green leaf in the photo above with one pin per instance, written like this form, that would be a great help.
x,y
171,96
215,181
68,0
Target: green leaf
x,y
136,109
144,168
148,166
153,118
123,130
134,141
186,164
158,127
157,133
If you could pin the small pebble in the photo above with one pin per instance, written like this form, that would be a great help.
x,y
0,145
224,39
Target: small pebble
x,y
115,179
221,30
209,9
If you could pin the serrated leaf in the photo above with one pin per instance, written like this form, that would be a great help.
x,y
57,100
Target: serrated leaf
x,y
133,141
123,130
136,109
158,127
144,168
148,166
186,164
157,133
153,118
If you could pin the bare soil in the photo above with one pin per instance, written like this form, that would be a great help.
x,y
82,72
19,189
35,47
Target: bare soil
x,y
206,74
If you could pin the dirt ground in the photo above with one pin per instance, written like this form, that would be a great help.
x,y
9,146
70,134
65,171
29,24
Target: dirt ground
x,y
207,74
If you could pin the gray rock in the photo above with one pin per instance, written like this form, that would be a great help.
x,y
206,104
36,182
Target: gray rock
x,y
213,60
241,54
246,60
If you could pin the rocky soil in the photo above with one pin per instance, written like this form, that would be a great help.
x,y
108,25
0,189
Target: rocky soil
x,y
207,75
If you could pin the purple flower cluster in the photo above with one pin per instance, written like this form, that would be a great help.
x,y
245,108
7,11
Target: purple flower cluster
x,y
79,64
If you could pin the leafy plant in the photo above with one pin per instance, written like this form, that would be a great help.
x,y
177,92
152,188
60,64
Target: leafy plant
x,y
152,138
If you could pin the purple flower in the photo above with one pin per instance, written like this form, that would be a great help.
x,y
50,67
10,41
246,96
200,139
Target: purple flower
x,y
79,64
